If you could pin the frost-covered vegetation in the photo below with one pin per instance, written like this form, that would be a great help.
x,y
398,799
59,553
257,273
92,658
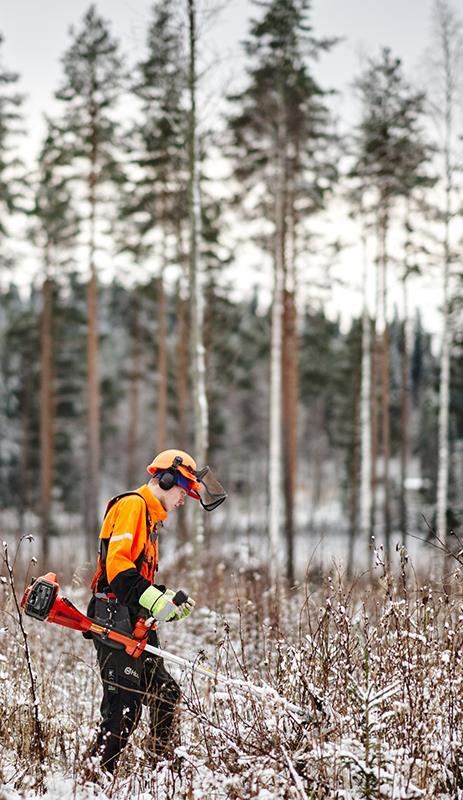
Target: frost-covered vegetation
x,y
374,666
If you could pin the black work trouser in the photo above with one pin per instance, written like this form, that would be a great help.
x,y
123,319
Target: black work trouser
x,y
127,684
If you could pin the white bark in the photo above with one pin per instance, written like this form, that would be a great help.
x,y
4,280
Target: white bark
x,y
365,409
201,404
275,449
275,473
407,338
450,54
196,284
444,394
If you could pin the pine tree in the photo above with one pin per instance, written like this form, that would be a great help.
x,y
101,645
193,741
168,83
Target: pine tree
x,y
281,154
389,159
54,233
93,72
155,207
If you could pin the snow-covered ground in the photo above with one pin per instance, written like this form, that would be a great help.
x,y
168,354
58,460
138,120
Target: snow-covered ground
x,y
374,665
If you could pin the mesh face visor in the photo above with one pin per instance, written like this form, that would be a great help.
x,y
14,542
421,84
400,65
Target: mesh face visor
x,y
211,493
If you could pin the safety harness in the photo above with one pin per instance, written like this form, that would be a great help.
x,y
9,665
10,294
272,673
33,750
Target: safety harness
x,y
100,581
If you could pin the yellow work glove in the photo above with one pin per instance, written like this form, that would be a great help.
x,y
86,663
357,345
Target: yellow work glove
x,y
161,604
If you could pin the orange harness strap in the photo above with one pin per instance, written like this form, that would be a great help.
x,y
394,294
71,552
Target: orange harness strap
x,y
104,543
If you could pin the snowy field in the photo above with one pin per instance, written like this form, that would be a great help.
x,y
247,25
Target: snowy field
x,y
374,666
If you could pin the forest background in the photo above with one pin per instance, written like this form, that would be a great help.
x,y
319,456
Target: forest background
x,y
159,259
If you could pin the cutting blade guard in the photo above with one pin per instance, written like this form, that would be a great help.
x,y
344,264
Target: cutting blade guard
x,y
39,598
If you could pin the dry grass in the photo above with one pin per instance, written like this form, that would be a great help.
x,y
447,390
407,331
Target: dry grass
x,y
375,665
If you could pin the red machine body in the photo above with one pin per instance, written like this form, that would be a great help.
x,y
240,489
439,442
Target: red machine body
x,y
41,600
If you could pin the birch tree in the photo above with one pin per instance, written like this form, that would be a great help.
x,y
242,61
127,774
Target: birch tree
x,y
444,86
365,500
196,280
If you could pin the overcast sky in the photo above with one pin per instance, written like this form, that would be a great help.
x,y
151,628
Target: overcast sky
x,y
36,33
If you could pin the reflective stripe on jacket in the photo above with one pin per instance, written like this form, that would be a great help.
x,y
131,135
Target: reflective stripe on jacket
x,y
128,547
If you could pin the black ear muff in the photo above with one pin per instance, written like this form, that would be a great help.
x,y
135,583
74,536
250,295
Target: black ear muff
x,y
167,479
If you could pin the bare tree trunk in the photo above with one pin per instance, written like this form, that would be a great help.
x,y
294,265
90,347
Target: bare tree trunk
x,y
275,424
290,415
134,392
93,371
404,413
290,373
46,412
446,36
365,500
26,429
182,373
375,410
196,281
385,370
386,439
162,366
93,411
354,475
444,395
374,432
182,393
182,369
275,481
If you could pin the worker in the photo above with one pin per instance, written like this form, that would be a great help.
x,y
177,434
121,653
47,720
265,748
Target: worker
x,y
125,588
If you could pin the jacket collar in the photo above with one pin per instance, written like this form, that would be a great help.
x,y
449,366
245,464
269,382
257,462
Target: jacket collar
x,y
156,511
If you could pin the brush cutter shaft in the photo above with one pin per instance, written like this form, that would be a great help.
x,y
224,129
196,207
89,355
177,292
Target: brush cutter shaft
x,y
225,680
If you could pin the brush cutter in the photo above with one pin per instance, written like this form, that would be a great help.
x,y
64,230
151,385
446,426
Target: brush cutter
x,y
41,600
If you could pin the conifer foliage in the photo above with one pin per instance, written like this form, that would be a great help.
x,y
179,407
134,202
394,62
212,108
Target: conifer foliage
x,y
280,133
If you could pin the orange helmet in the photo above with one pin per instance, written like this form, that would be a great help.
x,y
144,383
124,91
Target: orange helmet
x,y
176,460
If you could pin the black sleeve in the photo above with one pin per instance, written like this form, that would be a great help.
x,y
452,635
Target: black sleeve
x,y
129,585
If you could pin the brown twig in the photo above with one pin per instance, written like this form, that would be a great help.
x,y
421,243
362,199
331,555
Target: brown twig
x,y
38,736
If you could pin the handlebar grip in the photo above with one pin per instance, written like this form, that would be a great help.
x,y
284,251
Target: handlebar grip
x,y
179,598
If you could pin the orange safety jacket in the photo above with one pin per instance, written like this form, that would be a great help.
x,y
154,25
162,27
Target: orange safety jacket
x,y
128,555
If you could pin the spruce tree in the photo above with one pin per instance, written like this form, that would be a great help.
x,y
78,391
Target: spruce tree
x,y
93,73
280,134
